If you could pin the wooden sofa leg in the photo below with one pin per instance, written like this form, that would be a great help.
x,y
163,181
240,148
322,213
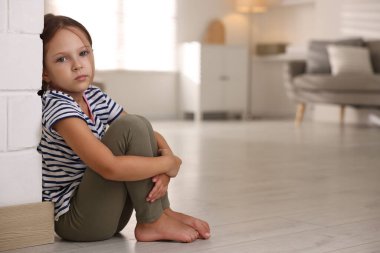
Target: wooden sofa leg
x,y
342,114
300,113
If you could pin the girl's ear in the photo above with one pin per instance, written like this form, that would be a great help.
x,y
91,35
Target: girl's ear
x,y
45,76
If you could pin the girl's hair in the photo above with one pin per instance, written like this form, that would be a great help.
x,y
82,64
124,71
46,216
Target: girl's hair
x,y
52,24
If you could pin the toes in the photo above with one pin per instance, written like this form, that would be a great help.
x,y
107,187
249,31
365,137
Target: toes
x,y
195,235
203,229
191,236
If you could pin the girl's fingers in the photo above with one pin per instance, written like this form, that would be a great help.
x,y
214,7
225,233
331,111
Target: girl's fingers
x,y
155,191
159,193
159,189
155,179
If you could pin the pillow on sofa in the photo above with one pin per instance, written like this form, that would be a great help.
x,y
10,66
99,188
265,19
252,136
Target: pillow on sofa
x,y
347,59
374,51
318,59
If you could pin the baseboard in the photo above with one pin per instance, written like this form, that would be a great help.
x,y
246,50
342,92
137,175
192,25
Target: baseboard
x,y
217,115
26,225
365,116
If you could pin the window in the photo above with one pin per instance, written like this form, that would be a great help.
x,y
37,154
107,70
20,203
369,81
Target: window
x,y
127,34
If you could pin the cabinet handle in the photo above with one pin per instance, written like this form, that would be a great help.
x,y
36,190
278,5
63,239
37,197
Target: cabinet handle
x,y
224,78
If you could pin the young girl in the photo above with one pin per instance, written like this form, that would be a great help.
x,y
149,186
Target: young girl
x,y
96,177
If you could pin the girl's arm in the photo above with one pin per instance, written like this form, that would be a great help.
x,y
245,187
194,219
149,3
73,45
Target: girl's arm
x,y
161,142
161,182
98,157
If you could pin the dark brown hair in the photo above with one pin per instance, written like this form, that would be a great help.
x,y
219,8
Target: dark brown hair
x,y
52,24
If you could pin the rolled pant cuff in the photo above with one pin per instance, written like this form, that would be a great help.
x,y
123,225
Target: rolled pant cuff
x,y
149,219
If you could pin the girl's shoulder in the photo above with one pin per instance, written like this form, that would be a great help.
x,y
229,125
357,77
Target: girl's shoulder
x,y
56,95
54,100
58,102
57,105
96,96
93,90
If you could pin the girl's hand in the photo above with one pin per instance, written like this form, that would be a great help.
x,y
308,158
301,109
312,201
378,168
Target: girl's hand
x,y
161,183
175,162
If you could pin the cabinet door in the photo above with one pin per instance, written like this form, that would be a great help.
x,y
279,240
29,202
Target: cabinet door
x,y
211,71
235,69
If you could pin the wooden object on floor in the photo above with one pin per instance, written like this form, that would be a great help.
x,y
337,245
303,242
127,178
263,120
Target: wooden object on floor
x,y
300,113
215,33
26,225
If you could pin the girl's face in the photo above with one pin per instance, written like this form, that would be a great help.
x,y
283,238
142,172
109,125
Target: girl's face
x,y
69,62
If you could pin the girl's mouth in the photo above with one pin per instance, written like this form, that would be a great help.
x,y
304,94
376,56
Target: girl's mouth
x,y
81,78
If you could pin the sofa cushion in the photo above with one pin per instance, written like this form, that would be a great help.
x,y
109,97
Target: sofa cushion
x,y
347,59
318,58
342,83
374,50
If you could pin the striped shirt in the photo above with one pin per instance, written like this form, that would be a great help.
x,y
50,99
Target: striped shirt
x,y
62,169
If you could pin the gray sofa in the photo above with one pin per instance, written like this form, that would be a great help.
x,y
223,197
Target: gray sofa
x,y
310,81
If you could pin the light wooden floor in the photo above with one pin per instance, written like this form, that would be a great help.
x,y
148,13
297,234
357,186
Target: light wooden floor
x,y
268,187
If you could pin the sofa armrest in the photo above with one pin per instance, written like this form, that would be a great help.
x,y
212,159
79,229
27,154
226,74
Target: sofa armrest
x,y
294,68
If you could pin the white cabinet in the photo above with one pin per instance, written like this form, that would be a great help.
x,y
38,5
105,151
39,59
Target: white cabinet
x,y
213,79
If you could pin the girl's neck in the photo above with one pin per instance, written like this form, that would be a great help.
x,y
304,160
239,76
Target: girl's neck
x,y
78,97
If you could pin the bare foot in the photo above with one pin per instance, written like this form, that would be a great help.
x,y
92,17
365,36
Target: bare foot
x,y
199,225
165,228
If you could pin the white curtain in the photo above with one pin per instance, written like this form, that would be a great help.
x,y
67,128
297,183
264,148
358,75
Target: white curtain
x,y
361,18
127,34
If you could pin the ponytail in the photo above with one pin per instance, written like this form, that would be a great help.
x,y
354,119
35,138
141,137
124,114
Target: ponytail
x,y
43,89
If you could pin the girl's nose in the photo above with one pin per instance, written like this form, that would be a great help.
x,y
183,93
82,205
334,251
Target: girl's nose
x,y
77,65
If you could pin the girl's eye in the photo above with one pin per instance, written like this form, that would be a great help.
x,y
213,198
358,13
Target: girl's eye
x,y
61,59
84,53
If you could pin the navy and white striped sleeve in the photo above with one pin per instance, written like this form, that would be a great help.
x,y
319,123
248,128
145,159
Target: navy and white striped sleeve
x,y
113,108
57,110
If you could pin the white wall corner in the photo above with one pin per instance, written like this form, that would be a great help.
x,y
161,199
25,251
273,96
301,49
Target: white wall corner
x,y
3,123
24,121
21,178
26,16
21,58
3,16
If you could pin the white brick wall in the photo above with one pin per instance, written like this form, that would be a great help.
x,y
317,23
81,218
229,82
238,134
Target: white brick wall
x,y
21,58
21,22
3,124
26,16
24,121
3,16
21,177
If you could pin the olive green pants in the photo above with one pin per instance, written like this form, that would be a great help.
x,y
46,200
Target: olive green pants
x,y
101,208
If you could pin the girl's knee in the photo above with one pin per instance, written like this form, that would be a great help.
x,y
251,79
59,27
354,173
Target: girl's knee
x,y
128,133
130,124
128,121
143,119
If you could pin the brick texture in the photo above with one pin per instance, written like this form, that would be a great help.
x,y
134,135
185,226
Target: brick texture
x,y
3,123
21,178
24,121
21,58
26,16
21,22
3,16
